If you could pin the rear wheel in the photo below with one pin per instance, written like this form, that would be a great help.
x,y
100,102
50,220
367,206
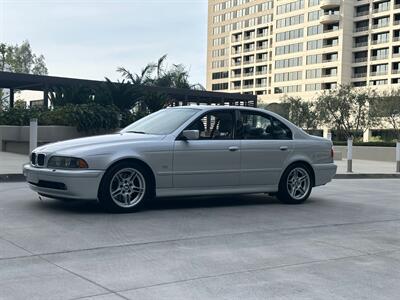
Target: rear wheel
x,y
295,185
125,187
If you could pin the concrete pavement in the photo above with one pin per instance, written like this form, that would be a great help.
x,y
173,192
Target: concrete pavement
x,y
342,244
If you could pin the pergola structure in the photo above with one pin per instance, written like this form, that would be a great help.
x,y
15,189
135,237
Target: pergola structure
x,y
19,82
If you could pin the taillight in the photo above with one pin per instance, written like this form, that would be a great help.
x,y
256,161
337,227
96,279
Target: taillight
x,y
332,153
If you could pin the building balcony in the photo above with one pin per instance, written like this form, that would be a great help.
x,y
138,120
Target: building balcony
x,y
381,73
248,86
237,87
248,74
329,45
327,4
236,63
396,22
378,57
248,50
248,37
264,34
394,55
261,59
360,44
376,26
361,29
329,18
236,75
361,13
378,10
375,42
359,75
329,60
261,85
397,6
262,47
258,73
396,71
247,62
360,59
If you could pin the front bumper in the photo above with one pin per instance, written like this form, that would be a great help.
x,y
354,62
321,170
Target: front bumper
x,y
67,184
324,173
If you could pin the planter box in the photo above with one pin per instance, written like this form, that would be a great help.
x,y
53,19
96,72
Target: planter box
x,y
16,138
370,152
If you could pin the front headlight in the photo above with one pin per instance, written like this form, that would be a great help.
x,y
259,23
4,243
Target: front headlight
x,y
63,162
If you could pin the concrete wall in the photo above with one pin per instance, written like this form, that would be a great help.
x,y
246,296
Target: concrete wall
x,y
370,153
16,138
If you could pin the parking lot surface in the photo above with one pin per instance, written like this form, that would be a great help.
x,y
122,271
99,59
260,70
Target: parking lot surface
x,y
344,243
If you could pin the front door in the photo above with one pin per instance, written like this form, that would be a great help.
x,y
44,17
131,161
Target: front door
x,y
214,159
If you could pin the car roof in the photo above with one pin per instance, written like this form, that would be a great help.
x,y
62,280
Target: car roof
x,y
222,107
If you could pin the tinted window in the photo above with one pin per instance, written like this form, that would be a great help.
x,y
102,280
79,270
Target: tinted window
x,y
216,125
257,126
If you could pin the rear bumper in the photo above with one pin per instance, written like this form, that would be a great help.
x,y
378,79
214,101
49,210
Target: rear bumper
x,y
324,173
74,184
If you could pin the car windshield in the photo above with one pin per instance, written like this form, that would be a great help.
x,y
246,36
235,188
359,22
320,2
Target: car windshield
x,y
162,122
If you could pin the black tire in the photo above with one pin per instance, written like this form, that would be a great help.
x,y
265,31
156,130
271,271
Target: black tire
x,y
285,195
110,180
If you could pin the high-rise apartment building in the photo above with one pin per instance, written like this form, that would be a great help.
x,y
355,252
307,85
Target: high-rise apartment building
x,y
301,47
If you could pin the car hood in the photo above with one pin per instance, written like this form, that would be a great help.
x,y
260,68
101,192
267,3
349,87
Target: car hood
x,y
99,141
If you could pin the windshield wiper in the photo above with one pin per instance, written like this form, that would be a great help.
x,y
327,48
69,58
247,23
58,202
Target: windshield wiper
x,y
133,131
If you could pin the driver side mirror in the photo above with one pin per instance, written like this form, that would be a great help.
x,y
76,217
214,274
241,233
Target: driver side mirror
x,y
191,134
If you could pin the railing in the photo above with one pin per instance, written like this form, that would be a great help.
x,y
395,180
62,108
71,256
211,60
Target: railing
x,y
261,34
381,9
360,59
248,37
329,60
329,45
396,39
262,47
247,62
396,6
378,57
396,22
249,86
374,42
361,44
261,85
376,26
238,63
248,74
236,87
361,13
396,55
396,71
248,50
236,75
378,73
236,40
261,59
261,73
236,52
359,29
359,75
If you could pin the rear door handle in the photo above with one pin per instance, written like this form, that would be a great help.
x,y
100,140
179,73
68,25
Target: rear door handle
x,y
233,148
283,148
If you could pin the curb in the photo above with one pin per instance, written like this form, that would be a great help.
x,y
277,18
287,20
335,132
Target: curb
x,y
12,178
367,176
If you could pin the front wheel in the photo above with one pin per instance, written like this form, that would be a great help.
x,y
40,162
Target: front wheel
x,y
124,188
295,185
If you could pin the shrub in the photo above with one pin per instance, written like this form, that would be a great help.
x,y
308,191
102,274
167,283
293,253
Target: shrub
x,y
91,118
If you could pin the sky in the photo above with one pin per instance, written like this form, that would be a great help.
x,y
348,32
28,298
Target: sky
x,y
91,38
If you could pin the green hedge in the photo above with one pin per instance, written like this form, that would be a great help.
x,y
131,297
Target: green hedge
x,y
370,144
90,118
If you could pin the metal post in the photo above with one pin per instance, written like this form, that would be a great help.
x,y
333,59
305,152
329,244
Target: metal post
x,y
398,157
11,98
46,98
33,133
350,155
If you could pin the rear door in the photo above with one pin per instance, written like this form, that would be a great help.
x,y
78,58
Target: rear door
x,y
265,145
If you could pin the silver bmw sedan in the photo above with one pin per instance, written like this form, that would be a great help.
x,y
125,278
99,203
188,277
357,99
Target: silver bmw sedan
x,y
185,151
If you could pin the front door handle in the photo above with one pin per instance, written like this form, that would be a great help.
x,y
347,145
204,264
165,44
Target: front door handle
x,y
233,148
283,148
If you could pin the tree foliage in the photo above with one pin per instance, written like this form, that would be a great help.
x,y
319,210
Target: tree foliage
x,y
346,109
301,113
387,110
20,59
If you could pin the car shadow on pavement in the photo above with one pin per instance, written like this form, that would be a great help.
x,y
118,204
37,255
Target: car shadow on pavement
x,y
175,203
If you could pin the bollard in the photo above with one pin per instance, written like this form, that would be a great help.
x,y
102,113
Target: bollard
x,y
33,132
350,155
398,157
